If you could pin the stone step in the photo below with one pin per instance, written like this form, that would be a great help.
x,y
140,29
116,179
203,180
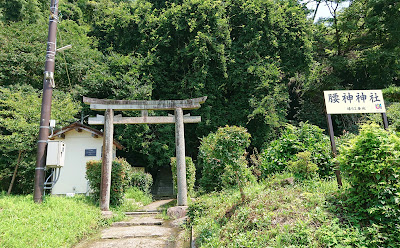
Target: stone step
x,y
164,189
127,223
165,193
165,184
143,212
132,242
140,221
136,232
163,197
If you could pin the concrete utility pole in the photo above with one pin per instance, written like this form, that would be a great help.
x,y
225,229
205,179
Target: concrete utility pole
x,y
48,85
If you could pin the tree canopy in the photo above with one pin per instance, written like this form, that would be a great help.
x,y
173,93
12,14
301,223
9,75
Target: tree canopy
x,y
19,128
262,63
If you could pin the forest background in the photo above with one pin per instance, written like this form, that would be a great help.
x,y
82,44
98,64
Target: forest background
x,y
262,64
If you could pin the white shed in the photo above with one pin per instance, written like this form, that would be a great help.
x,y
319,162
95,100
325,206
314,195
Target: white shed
x,y
82,143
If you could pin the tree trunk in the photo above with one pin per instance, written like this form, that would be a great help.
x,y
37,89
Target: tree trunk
x,y
15,173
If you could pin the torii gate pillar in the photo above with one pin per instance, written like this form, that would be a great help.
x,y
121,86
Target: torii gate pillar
x,y
180,158
105,185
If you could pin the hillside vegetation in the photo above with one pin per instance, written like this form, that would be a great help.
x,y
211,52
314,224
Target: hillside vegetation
x,y
298,204
278,213
262,64
275,214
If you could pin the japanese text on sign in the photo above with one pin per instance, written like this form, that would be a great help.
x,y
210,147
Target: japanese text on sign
x,y
354,101
90,152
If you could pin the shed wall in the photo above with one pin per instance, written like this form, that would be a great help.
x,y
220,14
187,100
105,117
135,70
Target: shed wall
x,y
72,175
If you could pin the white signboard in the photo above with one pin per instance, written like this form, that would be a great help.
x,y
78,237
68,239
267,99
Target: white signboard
x,y
354,101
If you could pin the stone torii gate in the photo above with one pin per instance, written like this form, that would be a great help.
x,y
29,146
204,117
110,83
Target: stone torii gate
x,y
108,120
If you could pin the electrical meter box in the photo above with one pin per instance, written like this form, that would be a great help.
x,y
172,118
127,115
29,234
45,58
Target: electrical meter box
x,y
55,154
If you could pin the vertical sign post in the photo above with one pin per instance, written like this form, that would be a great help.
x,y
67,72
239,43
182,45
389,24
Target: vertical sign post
x,y
333,147
352,102
385,121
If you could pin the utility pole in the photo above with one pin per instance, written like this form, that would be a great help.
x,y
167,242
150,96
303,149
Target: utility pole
x,y
48,85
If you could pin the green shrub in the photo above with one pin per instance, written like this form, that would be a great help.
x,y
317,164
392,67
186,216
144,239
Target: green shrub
x,y
303,167
371,163
120,178
142,180
391,95
393,115
190,174
306,137
344,139
222,158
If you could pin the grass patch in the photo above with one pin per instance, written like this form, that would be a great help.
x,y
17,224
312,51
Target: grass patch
x,y
135,199
57,222
274,215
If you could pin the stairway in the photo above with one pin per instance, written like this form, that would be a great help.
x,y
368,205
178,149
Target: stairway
x,y
163,186
141,229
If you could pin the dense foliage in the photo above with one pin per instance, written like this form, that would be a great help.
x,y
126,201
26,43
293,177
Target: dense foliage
x,y
190,174
371,162
262,63
142,180
19,127
120,179
222,158
293,140
157,50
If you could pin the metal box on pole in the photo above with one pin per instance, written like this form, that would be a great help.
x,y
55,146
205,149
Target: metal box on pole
x,y
55,154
